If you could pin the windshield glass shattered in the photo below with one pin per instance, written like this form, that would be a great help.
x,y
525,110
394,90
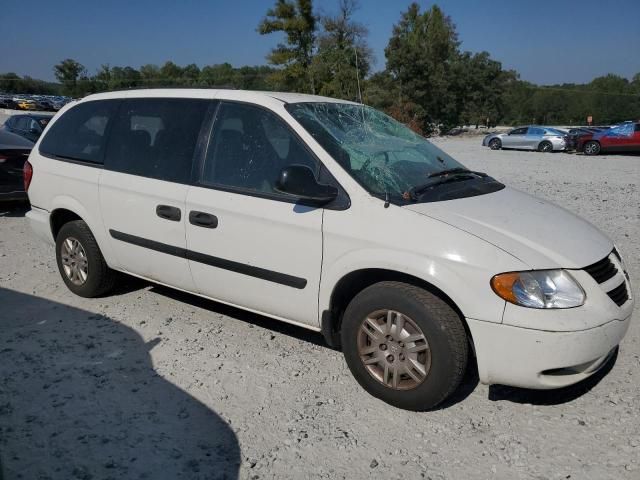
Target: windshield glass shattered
x,y
383,155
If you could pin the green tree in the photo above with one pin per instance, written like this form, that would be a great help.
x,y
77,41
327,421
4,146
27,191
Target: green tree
x,y
68,72
343,58
421,56
295,18
481,82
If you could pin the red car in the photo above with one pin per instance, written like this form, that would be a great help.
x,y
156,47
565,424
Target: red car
x,y
622,138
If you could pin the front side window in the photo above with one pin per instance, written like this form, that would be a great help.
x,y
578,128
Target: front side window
x,y
387,158
80,134
518,131
249,147
156,137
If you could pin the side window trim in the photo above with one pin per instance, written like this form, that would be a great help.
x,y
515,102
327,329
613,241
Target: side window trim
x,y
343,201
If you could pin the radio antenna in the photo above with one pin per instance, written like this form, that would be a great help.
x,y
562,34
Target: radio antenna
x,y
358,75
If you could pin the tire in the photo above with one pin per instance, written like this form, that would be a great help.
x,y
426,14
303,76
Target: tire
x,y
495,144
545,146
591,148
81,265
443,360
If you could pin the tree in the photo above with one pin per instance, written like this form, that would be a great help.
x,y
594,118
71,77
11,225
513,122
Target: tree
x,y
68,72
421,55
343,58
480,86
295,18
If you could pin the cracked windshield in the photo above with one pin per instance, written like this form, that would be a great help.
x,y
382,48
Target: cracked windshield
x,y
383,155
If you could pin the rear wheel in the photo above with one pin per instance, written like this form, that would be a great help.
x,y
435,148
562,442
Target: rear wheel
x,y
80,262
591,148
545,146
495,144
404,345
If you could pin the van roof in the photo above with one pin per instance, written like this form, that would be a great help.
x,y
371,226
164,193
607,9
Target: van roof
x,y
210,93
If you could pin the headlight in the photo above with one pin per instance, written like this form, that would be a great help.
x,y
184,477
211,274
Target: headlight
x,y
539,289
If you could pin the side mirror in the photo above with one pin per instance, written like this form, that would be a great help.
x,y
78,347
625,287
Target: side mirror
x,y
34,130
299,181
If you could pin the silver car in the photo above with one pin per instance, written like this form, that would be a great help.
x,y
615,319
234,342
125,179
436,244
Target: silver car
x,y
542,139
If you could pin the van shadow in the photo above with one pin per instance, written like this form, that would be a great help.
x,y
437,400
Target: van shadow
x,y
79,398
284,328
551,397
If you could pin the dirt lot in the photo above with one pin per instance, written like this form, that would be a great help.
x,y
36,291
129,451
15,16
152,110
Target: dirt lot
x,y
150,383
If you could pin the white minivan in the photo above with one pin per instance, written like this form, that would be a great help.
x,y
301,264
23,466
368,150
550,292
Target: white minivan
x,y
332,216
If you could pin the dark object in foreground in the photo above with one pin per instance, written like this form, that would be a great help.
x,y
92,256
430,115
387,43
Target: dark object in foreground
x,y
14,151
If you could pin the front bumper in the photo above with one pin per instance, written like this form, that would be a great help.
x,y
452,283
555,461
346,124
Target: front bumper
x,y
522,357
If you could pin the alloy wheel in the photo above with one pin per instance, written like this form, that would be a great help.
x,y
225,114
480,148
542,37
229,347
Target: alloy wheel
x,y
74,261
394,350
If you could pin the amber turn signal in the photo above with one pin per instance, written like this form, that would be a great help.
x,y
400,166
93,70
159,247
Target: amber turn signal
x,y
503,286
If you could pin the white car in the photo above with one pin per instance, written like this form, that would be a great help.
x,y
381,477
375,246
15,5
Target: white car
x,y
332,216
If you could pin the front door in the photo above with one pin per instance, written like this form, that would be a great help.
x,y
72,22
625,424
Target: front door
x,y
247,244
515,139
143,189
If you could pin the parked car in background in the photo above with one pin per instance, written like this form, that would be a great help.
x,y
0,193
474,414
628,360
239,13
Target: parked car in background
x,y
26,104
534,137
14,151
621,138
45,105
6,102
27,126
574,134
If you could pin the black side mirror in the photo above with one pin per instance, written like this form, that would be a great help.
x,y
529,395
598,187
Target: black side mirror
x,y
299,181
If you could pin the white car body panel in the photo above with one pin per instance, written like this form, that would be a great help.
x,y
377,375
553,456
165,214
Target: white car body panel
x,y
128,206
457,246
257,232
539,233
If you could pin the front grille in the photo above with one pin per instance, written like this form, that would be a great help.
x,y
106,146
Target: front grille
x,y
619,294
602,271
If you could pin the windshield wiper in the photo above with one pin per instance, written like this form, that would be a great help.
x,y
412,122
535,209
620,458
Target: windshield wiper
x,y
455,170
441,178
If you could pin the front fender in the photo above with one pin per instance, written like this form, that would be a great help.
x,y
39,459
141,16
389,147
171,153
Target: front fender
x,y
466,284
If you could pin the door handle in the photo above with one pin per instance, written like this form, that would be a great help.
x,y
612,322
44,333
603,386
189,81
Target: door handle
x,y
201,219
169,213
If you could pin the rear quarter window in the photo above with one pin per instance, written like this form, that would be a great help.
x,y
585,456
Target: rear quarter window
x,y
80,133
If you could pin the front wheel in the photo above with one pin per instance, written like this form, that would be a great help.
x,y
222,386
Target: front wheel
x,y
404,345
591,148
495,144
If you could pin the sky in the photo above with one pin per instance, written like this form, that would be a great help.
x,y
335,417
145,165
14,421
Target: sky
x,y
547,42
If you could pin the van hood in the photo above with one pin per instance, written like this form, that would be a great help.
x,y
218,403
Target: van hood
x,y
538,233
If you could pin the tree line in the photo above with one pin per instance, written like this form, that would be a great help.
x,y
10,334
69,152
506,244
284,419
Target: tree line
x,y
428,82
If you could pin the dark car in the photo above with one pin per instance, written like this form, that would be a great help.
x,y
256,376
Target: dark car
x,y
8,103
27,126
621,138
14,151
574,135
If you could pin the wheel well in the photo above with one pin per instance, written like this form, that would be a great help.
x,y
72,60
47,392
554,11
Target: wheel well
x,y
59,217
353,283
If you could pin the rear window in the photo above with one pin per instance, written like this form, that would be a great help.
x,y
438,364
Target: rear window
x,y
80,134
156,137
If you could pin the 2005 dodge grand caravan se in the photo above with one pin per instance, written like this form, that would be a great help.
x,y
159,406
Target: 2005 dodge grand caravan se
x,y
332,216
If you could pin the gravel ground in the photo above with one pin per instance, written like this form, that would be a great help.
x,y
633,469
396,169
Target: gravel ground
x,y
151,383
